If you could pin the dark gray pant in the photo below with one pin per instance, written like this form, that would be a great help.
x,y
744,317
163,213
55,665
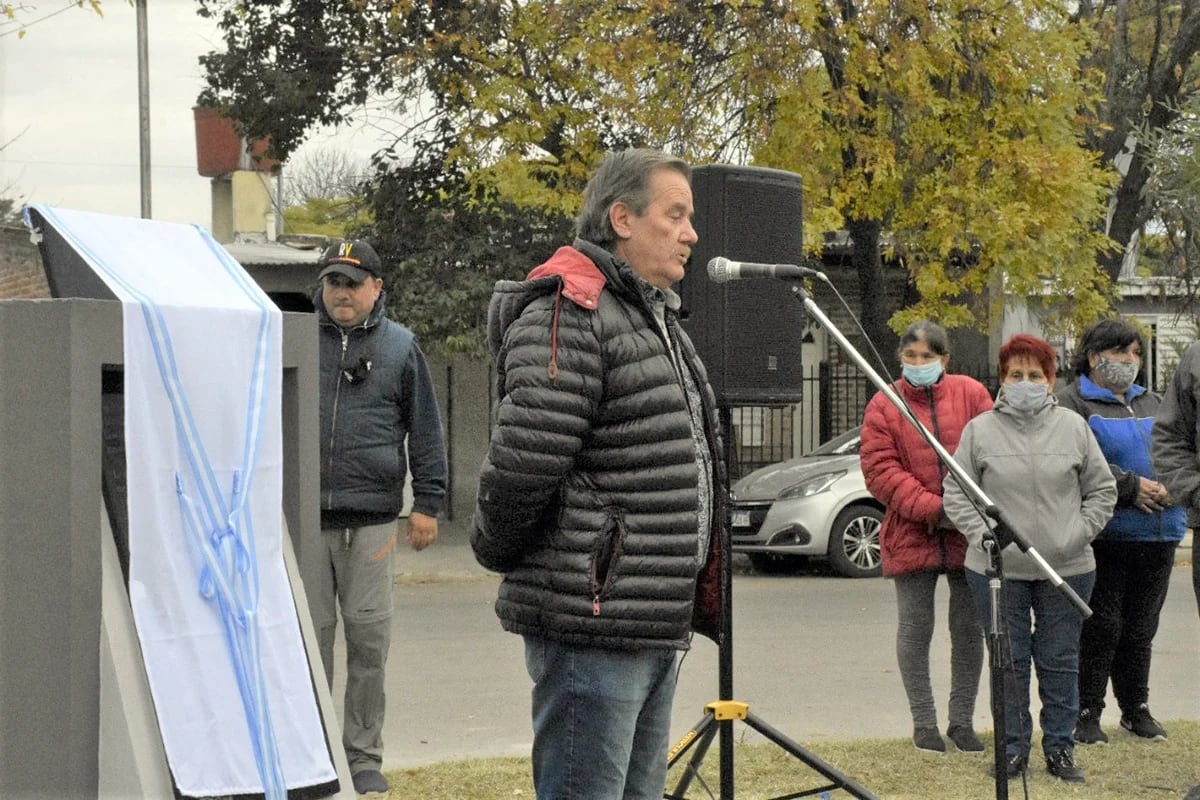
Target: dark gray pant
x,y
1131,586
358,579
914,632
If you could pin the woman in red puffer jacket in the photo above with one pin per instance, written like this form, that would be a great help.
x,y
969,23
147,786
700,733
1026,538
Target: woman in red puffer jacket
x,y
903,472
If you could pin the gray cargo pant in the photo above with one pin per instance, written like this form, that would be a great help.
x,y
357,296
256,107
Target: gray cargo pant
x,y
357,576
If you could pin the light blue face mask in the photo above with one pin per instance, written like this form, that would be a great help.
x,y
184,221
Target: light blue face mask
x,y
1026,396
923,375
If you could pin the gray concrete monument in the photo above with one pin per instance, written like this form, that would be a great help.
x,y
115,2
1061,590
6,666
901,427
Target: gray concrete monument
x,y
76,716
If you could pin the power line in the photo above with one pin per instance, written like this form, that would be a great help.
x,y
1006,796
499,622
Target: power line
x,y
24,26
91,164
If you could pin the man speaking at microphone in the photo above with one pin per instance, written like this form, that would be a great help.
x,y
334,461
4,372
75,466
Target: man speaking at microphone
x,y
598,499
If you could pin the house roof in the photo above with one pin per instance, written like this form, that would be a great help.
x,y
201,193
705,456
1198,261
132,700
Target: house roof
x,y
1160,286
264,253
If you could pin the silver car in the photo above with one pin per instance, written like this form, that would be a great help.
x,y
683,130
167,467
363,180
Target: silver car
x,y
814,505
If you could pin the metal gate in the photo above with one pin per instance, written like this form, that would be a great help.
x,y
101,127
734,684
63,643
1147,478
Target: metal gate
x,y
836,396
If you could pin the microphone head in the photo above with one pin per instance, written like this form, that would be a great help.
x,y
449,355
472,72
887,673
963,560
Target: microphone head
x,y
720,269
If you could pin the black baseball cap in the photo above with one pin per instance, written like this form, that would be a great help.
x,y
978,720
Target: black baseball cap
x,y
353,258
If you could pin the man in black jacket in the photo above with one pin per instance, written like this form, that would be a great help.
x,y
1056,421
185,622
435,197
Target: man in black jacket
x,y
1174,445
377,402
1174,441
598,499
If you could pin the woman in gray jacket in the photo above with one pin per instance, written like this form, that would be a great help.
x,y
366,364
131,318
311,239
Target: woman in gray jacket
x,y
1042,467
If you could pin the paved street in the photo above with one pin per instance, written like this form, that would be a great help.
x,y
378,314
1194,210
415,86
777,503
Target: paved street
x,y
813,656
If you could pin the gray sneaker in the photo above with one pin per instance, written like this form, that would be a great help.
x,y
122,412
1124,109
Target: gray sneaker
x,y
370,782
927,738
964,738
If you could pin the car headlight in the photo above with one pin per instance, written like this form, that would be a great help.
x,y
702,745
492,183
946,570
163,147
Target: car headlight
x,y
810,486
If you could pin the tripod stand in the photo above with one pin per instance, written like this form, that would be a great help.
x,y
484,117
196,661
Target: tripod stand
x,y
720,715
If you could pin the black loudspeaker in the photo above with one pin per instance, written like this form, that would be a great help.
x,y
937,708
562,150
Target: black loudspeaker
x,y
747,332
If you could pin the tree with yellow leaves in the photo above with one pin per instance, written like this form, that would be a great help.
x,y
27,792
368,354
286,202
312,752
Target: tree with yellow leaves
x,y
957,128
954,125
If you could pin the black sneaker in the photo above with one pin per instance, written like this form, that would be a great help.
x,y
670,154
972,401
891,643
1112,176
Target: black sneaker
x,y
927,738
1139,722
370,782
964,738
1013,766
1062,766
1087,729
1193,793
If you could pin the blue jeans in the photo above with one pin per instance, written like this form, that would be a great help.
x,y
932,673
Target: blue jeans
x,y
601,721
1043,627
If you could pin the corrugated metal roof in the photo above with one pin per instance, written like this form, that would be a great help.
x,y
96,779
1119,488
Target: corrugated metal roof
x,y
272,254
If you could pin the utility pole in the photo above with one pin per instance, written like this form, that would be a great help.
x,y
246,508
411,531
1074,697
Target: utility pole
x,y
143,106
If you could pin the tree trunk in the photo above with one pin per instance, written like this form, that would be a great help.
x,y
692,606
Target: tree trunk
x,y
1165,94
867,260
1126,214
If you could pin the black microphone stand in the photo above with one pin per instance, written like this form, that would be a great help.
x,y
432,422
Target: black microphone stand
x,y
998,658
1002,534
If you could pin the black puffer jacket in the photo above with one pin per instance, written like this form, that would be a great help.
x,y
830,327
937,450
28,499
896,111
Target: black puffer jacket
x,y
588,496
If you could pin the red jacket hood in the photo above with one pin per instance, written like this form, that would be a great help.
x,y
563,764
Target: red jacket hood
x,y
582,280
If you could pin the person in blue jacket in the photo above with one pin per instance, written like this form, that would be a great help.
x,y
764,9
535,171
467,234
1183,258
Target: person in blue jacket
x,y
1136,549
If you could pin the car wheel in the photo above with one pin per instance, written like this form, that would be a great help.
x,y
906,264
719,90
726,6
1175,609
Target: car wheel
x,y
777,563
854,542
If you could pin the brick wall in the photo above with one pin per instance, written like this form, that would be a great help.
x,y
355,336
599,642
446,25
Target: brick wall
x,y
21,273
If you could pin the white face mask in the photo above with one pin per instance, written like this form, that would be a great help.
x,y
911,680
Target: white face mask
x,y
1026,396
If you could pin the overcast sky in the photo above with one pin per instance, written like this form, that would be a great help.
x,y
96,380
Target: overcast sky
x,y
69,98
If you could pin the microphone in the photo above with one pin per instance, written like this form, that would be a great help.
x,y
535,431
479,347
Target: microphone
x,y
721,269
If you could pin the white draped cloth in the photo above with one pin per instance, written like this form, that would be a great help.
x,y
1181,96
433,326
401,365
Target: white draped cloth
x,y
210,594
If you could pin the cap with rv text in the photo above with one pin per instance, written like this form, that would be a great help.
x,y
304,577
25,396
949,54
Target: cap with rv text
x,y
353,258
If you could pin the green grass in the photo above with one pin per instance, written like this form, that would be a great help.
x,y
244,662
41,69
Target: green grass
x,y
1125,769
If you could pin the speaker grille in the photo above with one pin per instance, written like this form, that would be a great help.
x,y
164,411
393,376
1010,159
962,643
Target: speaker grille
x,y
747,332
